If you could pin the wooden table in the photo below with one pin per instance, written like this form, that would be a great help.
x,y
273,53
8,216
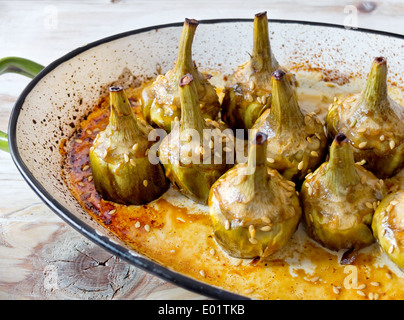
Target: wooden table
x,y
41,257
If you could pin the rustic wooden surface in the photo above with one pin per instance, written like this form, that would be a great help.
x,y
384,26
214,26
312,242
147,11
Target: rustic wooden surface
x,y
41,257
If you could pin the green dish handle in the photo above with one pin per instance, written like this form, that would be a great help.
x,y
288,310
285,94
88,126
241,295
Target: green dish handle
x,y
20,66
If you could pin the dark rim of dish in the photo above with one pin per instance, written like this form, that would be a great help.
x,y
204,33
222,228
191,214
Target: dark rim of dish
x,y
103,241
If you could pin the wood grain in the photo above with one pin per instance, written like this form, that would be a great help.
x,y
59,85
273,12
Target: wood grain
x,y
41,257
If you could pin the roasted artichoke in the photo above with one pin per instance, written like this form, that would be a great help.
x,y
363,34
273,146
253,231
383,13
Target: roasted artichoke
x,y
339,200
120,166
253,209
388,226
161,100
296,140
372,122
248,90
193,153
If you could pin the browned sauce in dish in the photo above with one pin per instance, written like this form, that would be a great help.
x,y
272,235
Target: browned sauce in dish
x,y
176,233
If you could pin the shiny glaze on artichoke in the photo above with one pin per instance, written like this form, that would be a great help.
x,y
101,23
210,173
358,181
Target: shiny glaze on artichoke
x,y
372,122
194,153
253,209
248,90
296,140
339,200
161,100
119,158
388,226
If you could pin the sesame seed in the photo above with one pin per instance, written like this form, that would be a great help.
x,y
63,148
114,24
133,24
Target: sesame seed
x,y
266,228
361,130
259,100
86,167
362,286
264,99
354,123
300,165
370,295
361,293
266,219
336,289
237,262
212,251
375,284
90,178
382,137
112,212
137,224
392,144
147,227
145,183
362,145
180,219
314,154
251,229
315,279
126,157
318,136
375,296
251,85
253,241
309,190
369,205
270,160
227,224
309,140
391,249
135,146
389,275
132,162
81,184
361,163
202,273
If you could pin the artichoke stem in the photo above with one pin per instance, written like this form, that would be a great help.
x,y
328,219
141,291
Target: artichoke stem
x,y
341,172
285,110
262,58
184,61
256,168
375,95
191,115
122,119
